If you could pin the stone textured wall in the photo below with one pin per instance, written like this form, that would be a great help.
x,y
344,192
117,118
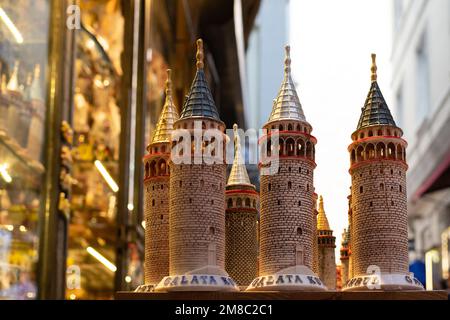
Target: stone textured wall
x,y
156,211
327,266
197,216
241,250
286,217
379,217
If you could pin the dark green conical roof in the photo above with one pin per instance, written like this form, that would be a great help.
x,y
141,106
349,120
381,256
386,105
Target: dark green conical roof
x,y
375,111
199,101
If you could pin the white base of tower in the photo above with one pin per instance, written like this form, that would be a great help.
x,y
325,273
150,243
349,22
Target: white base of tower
x,y
298,278
209,278
383,282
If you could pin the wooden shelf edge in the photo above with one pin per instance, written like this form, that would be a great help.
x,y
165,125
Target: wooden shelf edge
x,y
328,295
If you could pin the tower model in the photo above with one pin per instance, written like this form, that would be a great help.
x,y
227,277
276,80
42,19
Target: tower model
x,y
197,194
287,227
344,256
326,242
379,240
241,219
156,188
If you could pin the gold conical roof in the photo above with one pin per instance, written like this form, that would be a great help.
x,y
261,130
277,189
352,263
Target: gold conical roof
x,y
169,115
287,105
322,221
238,174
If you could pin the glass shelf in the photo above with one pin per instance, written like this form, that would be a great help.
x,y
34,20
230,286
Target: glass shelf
x,y
9,148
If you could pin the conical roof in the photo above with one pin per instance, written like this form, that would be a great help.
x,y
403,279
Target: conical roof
x,y
287,105
322,221
238,174
199,102
375,110
169,115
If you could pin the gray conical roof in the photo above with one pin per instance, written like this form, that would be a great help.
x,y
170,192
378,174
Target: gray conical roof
x,y
199,102
375,110
287,105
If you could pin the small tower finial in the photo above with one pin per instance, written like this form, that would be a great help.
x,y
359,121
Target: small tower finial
x,y
169,83
200,54
374,67
237,142
287,60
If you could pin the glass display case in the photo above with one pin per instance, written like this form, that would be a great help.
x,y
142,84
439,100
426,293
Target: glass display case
x,y
96,125
24,42
96,122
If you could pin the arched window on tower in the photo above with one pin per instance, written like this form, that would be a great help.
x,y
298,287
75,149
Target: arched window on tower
x,y
289,127
290,147
391,151
239,203
269,147
300,147
281,150
399,152
309,151
370,151
381,150
162,167
247,202
230,203
147,169
153,169
353,157
360,153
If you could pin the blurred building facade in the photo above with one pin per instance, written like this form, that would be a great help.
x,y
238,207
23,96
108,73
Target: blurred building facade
x,y
421,85
264,57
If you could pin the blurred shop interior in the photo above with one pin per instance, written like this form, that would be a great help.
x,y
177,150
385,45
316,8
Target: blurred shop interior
x,y
82,85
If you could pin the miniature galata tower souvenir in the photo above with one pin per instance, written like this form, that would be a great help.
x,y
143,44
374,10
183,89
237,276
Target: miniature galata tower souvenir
x,y
287,228
379,230
241,217
326,242
156,187
197,194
